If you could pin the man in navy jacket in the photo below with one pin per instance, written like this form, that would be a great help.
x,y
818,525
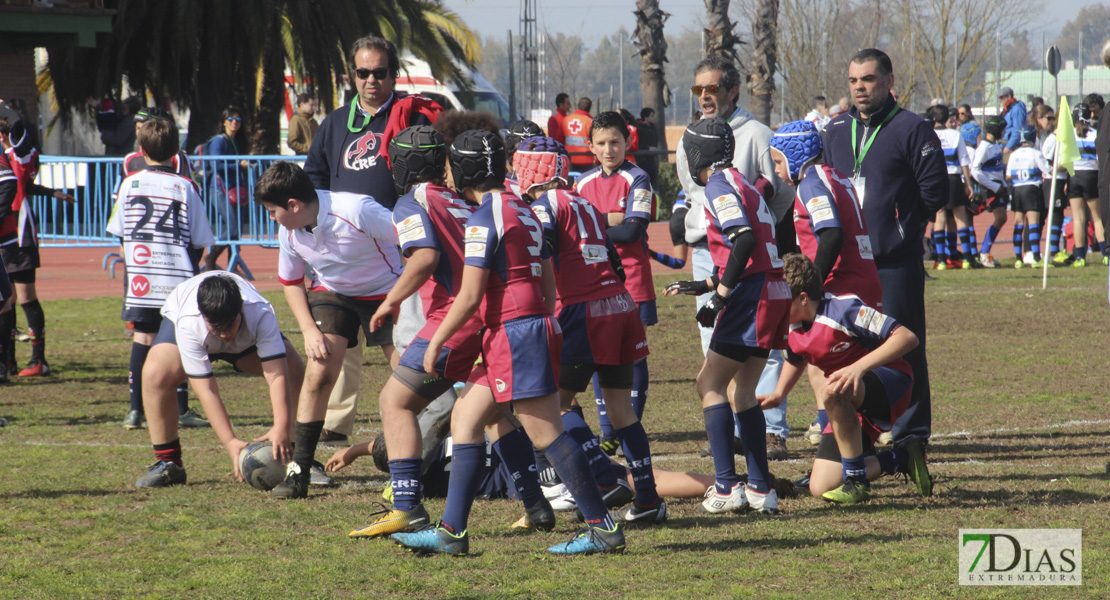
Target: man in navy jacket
x,y
897,168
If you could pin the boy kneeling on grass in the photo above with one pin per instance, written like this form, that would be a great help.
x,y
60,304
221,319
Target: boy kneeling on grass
x,y
860,350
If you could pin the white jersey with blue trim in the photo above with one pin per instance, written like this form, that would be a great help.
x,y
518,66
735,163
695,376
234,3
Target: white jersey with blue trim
x,y
1026,167
1048,150
1088,160
987,167
955,150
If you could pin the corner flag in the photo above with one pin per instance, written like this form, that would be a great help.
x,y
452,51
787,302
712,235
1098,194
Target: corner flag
x,y
1067,148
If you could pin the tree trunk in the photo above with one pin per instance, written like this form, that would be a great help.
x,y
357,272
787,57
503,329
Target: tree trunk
x,y
761,79
653,53
266,133
719,39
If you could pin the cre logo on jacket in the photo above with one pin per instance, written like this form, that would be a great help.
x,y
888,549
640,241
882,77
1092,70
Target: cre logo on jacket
x,y
364,152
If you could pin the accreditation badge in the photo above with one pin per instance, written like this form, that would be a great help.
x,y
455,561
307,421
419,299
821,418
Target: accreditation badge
x,y
859,182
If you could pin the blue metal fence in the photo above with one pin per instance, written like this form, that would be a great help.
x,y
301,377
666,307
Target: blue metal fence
x,y
226,186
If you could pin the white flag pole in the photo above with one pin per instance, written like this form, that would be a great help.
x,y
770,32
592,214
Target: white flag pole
x,y
1051,209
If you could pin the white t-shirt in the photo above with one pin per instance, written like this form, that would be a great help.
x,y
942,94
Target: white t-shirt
x,y
159,216
1048,148
258,327
352,250
955,150
1026,167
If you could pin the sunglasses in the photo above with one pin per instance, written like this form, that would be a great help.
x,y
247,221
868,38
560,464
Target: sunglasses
x,y
697,89
378,74
235,119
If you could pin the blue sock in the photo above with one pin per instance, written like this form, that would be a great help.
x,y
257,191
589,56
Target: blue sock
x,y
468,466
887,463
183,398
603,422
753,432
940,247
953,240
965,241
1033,235
599,464
1018,227
973,242
822,419
135,376
571,464
668,260
1101,248
988,241
515,450
639,387
1080,253
637,452
899,460
718,426
855,469
1054,239
404,475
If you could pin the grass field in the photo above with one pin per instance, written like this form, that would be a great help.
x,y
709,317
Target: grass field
x,y
1020,388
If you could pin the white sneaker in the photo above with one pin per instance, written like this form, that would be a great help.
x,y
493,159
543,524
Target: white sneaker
x,y
563,502
553,490
767,504
716,503
1027,258
813,434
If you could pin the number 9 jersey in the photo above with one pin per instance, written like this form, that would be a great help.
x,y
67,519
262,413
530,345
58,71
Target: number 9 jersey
x,y
732,202
160,217
505,236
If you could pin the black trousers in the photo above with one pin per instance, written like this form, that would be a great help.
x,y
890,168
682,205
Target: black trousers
x,y
904,299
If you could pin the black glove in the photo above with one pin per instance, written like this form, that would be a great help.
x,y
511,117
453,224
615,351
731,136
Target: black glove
x,y
689,288
707,314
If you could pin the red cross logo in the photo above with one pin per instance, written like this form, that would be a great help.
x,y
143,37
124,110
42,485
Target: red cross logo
x,y
575,126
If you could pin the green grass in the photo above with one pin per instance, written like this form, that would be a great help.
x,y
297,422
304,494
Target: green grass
x,y
1021,431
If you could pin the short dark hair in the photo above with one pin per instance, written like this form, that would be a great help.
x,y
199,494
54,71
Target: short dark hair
x,y
158,139
646,112
730,77
380,44
802,276
452,123
282,181
5,126
609,119
219,301
966,107
378,453
304,97
1093,99
585,104
818,99
561,98
938,113
885,67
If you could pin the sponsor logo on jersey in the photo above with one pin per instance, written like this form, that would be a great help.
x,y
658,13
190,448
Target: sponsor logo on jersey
x,y
864,243
500,385
475,250
363,153
840,347
411,229
542,214
140,255
821,214
726,207
641,201
817,203
140,286
877,323
476,234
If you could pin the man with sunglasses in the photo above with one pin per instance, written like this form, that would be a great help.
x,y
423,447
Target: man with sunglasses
x,y
717,88
349,154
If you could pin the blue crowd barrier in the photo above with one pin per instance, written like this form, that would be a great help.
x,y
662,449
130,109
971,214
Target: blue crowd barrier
x,y
225,186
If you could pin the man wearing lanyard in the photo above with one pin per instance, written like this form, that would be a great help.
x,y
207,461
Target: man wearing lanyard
x,y
898,171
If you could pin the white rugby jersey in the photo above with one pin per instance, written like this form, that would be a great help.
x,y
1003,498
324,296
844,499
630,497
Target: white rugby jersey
x,y
352,250
987,167
1048,148
1026,167
1088,160
159,216
955,150
258,327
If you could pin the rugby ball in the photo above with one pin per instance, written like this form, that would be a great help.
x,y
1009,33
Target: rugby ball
x,y
257,464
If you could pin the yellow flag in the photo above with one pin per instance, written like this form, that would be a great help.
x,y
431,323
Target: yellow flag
x,y
1067,150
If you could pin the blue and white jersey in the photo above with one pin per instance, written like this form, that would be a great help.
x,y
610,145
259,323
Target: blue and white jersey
x,y
1048,148
955,150
987,167
1026,167
1088,160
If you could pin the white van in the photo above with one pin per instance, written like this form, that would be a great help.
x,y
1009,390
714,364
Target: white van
x,y
416,77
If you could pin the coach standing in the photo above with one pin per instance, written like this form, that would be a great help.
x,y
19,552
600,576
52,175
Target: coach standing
x,y
1102,151
898,171
349,154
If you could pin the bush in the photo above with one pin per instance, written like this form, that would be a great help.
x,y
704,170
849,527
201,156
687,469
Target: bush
x,y
668,188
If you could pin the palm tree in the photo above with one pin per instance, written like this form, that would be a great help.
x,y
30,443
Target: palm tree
x,y
206,54
761,78
719,39
653,53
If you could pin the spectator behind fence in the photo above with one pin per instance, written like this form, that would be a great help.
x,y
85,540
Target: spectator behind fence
x,y
227,179
302,127
649,140
116,123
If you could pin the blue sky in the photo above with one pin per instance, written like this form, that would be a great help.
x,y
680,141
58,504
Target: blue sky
x,y
594,18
